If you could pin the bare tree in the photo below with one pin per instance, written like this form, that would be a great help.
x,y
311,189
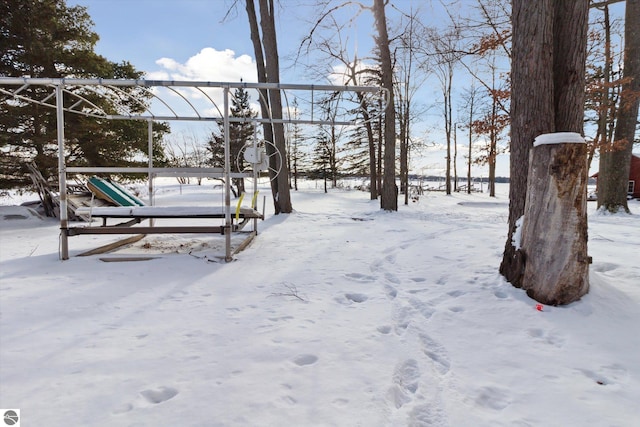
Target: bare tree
x,y
187,152
615,160
492,124
603,81
266,51
355,72
490,33
295,142
470,108
444,57
389,198
329,108
409,77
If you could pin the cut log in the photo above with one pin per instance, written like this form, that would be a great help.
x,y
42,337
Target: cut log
x,y
554,230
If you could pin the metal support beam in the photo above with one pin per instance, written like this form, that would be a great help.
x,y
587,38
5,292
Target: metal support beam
x,y
78,103
62,173
227,177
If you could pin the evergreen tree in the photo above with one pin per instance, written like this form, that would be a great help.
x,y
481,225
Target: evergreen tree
x,y
239,134
356,160
321,163
45,38
296,155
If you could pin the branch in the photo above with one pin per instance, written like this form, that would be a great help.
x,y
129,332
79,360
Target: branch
x,y
604,3
292,292
309,38
496,31
486,86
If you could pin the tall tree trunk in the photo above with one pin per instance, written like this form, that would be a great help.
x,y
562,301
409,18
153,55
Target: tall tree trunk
x,y
531,109
373,167
570,51
553,263
264,95
389,199
282,201
448,80
379,148
613,179
266,51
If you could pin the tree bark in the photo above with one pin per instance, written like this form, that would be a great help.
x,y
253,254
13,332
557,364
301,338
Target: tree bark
x,y
264,96
548,69
554,230
531,109
266,51
389,199
571,25
282,200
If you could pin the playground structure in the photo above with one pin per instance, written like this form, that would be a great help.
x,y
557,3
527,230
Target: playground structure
x,y
176,101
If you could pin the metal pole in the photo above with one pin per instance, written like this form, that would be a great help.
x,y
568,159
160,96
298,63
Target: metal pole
x,y
150,175
227,177
62,174
256,173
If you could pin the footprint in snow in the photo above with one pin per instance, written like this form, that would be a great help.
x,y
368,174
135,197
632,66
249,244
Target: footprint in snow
x,y
493,398
357,298
390,291
359,277
392,278
437,353
423,308
500,294
405,383
305,359
159,395
152,396
385,329
427,415
456,294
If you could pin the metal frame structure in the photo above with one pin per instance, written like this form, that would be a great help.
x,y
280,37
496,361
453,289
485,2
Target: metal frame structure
x,y
196,98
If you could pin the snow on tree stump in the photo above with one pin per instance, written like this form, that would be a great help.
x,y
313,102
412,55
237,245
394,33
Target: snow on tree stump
x,y
554,227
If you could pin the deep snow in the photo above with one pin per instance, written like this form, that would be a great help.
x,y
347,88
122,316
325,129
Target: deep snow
x,y
339,314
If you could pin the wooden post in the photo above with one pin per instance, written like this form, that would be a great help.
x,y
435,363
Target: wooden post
x,y
554,228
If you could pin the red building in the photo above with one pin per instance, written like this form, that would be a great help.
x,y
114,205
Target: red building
x,y
634,177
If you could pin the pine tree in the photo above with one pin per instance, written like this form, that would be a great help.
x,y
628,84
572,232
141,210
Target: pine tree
x,y
321,163
45,38
356,161
239,134
296,155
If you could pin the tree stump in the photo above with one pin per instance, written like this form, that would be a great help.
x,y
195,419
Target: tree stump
x,y
554,227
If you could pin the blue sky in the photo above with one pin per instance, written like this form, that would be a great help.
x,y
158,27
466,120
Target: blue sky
x,y
145,31
163,35
200,40
204,40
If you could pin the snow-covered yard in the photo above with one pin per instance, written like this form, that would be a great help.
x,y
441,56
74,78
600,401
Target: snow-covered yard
x,y
339,314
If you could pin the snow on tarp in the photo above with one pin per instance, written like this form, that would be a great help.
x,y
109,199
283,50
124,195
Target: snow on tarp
x,y
161,211
558,138
22,214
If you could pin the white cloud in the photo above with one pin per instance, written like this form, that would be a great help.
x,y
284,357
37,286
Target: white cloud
x,y
208,65
340,75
